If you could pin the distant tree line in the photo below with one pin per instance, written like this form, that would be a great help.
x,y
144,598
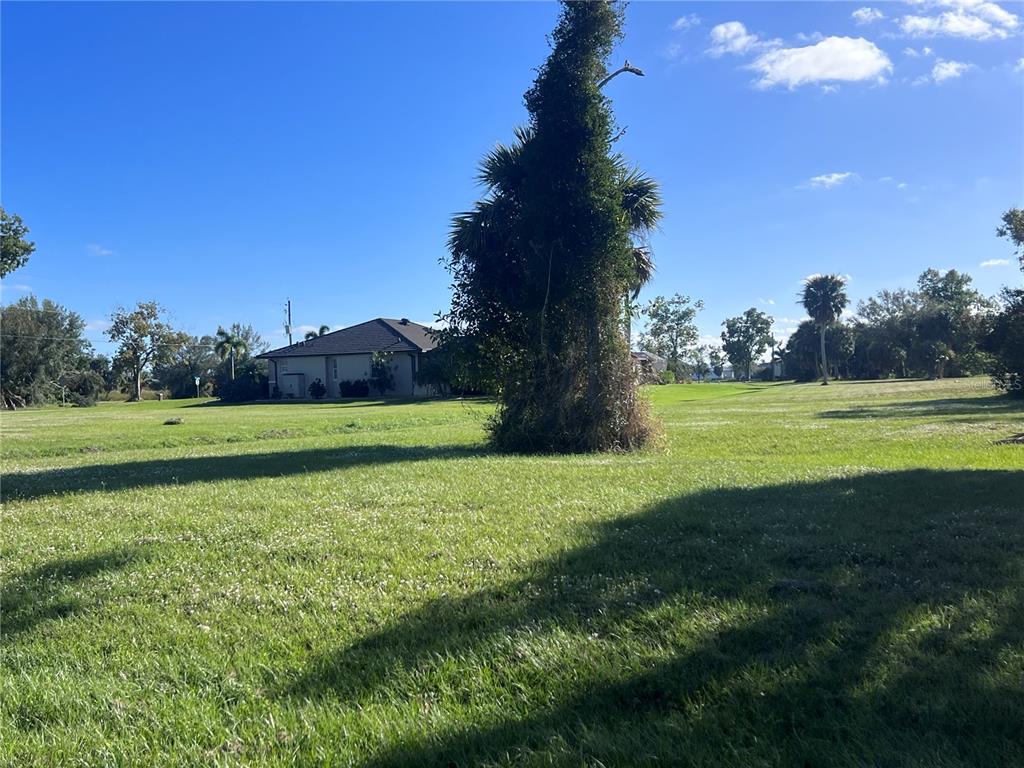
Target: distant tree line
x,y
942,327
45,357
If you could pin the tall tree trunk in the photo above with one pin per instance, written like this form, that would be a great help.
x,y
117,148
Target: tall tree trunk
x,y
138,384
593,356
824,362
232,365
628,322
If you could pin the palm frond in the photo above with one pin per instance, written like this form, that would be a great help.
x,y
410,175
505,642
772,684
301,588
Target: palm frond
x,y
824,297
641,200
643,268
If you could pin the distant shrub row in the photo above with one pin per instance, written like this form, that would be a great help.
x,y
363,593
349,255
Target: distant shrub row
x,y
357,388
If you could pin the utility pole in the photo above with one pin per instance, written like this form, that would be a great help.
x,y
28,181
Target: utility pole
x,y
288,324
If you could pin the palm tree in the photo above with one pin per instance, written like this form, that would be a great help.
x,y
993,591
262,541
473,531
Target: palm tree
x,y
228,345
641,204
824,298
313,334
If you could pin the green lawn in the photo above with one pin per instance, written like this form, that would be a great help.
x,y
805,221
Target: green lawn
x,y
800,576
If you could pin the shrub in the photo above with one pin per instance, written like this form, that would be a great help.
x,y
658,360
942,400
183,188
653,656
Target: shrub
x,y
317,390
242,389
83,388
357,388
381,375
668,377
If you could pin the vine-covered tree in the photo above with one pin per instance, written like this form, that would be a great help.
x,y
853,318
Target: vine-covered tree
x,y
15,248
542,263
746,338
824,298
144,339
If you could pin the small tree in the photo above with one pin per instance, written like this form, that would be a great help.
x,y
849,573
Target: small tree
x,y
671,331
381,375
746,338
143,338
716,360
15,248
230,344
700,363
824,298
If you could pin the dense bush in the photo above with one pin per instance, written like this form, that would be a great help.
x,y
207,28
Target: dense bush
x,y
1006,344
250,382
357,388
381,374
317,390
456,366
83,388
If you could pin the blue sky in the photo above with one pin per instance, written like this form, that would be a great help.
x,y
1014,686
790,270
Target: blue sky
x,y
220,158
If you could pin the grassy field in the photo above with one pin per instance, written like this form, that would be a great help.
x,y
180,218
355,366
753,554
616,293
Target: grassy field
x,y
800,576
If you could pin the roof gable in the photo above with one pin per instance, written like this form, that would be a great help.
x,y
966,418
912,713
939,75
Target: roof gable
x,y
378,335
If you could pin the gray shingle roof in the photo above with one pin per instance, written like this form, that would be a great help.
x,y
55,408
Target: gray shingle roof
x,y
379,335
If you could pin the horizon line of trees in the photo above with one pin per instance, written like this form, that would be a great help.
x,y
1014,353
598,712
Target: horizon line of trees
x,y
45,357
942,327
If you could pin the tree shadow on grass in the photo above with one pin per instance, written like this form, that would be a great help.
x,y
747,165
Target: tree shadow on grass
x,y
40,594
199,469
790,625
959,406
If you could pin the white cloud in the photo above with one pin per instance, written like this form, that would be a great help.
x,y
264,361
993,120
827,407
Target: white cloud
x,y
688,21
732,37
914,53
769,302
995,263
972,19
830,180
944,70
949,70
1019,66
867,15
848,59
98,250
97,325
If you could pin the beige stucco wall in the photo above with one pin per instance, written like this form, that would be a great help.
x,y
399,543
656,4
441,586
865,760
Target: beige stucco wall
x,y
349,368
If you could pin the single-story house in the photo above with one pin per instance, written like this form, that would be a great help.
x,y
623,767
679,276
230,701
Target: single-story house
x,y
346,355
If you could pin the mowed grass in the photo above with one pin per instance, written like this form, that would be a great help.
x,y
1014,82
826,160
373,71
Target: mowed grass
x,y
800,576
